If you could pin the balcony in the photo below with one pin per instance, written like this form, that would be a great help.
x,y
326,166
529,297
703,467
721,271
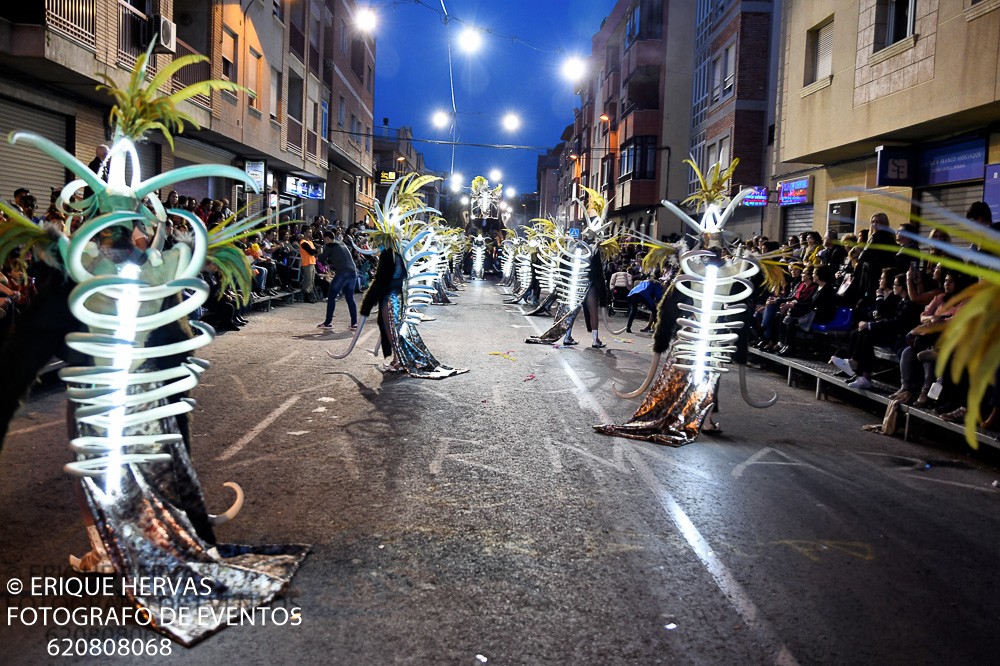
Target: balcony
x,y
133,36
74,19
297,42
199,71
294,141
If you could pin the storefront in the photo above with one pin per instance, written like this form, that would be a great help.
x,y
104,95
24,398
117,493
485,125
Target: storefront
x,y
28,167
188,152
795,201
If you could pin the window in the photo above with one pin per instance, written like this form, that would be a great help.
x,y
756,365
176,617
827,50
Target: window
x,y
368,79
368,139
343,37
342,112
294,96
358,57
717,79
607,167
278,9
819,42
894,20
638,158
355,129
229,43
632,26
729,73
253,79
274,101
724,151
325,121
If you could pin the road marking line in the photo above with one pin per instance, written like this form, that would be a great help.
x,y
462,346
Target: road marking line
x,y
23,431
247,438
725,581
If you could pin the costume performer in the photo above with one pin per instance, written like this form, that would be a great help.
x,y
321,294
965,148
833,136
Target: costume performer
x,y
403,280
581,283
138,482
697,310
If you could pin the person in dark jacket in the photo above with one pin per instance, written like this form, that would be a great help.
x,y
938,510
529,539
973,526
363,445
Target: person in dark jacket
x,y
336,256
819,309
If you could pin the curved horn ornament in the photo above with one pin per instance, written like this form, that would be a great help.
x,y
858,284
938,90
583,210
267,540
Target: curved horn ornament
x,y
354,341
233,510
631,395
607,324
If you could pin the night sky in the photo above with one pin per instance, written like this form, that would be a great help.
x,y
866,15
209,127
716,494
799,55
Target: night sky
x,y
517,69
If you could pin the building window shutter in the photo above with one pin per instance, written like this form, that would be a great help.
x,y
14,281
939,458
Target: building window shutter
x,y
824,52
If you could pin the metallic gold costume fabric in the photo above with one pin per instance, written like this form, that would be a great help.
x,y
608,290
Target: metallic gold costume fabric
x,y
672,411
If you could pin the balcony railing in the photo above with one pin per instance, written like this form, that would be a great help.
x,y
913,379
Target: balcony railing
x,y
199,71
133,36
294,142
297,42
73,18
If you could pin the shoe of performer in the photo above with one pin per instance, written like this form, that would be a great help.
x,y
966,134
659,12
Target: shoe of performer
x,y
240,320
629,330
570,342
328,327
645,330
598,345
843,365
91,563
354,327
861,383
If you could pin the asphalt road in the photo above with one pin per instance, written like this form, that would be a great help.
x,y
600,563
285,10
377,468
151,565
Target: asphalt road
x,y
480,520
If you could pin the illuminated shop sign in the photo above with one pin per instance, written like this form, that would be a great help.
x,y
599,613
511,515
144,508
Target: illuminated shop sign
x,y
256,170
305,188
798,191
757,197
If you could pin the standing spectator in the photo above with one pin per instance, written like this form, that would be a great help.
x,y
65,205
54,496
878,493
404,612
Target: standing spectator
x,y
337,256
307,255
99,165
620,284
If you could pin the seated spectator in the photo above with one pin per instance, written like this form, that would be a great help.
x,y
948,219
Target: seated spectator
x,y
894,318
922,346
620,284
812,248
776,307
818,309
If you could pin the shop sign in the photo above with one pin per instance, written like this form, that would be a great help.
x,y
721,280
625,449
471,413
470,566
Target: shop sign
x,y
256,169
798,191
386,177
305,188
953,162
895,167
991,190
757,197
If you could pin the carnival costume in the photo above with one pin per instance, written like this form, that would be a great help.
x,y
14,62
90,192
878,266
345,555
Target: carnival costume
x,y
404,279
697,312
148,509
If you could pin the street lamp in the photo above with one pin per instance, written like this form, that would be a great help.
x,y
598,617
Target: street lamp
x,y
441,119
365,19
511,122
574,69
470,40
510,192
495,175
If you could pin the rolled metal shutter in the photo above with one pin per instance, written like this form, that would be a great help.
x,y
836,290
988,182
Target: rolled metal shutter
x,y
956,199
21,166
798,219
149,161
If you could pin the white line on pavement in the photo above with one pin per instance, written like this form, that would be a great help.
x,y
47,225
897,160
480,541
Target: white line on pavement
x,y
257,429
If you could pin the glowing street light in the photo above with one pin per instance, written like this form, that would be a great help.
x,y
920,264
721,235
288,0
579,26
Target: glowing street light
x,y
495,175
441,119
510,192
465,201
456,182
365,19
511,122
574,69
471,40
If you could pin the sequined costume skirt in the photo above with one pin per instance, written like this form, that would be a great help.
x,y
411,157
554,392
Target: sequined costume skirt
x,y
155,527
557,331
673,409
407,344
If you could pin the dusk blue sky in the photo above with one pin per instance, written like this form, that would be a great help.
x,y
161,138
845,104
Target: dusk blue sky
x,y
411,77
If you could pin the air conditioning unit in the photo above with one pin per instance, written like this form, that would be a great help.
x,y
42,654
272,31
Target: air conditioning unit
x,y
166,31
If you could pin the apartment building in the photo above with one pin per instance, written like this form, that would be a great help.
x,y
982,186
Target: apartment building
x,y
631,132
548,182
731,98
300,61
881,98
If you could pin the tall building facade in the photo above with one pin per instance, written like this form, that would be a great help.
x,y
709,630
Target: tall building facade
x,y
730,97
307,71
886,97
630,134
